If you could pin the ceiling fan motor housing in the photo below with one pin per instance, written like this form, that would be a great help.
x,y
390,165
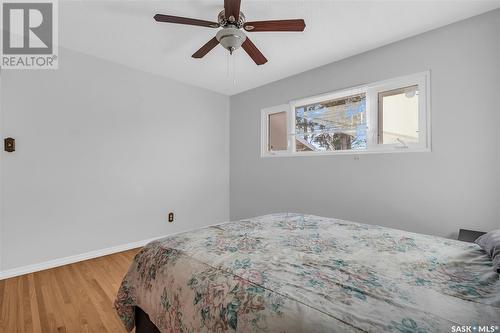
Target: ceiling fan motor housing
x,y
231,38
223,20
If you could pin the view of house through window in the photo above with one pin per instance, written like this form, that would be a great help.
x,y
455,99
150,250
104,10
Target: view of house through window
x,y
398,116
277,132
338,124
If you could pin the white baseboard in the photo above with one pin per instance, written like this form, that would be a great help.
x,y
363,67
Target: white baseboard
x,y
88,255
72,259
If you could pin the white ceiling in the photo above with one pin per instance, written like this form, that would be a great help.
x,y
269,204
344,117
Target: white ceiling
x,y
125,32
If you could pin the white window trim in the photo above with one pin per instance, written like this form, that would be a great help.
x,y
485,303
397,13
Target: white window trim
x,y
371,91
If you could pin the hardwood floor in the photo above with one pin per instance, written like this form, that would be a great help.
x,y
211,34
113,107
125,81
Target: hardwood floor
x,y
73,298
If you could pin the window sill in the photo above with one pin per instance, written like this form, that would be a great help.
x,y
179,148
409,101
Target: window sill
x,y
347,152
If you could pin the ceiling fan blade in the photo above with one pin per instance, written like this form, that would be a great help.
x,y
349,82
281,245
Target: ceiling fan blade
x,y
276,25
253,52
232,8
206,48
185,20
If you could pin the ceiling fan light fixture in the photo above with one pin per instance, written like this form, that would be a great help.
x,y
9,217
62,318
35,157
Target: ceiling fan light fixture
x,y
231,38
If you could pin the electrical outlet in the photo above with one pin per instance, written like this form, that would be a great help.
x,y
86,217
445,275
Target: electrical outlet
x,y
171,217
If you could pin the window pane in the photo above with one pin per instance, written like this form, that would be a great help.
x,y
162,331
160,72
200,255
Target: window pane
x,y
338,124
398,116
277,132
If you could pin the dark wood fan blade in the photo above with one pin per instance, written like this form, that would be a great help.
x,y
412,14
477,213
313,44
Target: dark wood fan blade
x,y
185,20
276,25
232,8
253,52
206,48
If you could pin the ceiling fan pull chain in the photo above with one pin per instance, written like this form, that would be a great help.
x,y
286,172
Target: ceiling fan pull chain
x,y
234,69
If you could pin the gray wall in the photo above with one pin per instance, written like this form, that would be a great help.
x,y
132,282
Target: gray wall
x,y
104,152
457,185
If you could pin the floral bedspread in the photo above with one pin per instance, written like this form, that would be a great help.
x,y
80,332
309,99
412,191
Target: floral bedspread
x,y
303,273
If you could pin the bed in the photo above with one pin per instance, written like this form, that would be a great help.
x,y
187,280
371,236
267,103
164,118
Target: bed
x,y
303,273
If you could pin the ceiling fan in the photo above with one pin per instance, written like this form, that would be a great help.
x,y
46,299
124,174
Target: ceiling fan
x,y
231,37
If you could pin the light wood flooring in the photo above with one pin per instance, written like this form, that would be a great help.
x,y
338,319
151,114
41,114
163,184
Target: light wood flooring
x,y
73,298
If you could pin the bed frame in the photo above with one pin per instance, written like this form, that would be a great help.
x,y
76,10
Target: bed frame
x,y
142,322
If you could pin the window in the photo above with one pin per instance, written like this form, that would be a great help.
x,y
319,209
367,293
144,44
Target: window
x,y
398,115
335,124
277,139
388,116
275,130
